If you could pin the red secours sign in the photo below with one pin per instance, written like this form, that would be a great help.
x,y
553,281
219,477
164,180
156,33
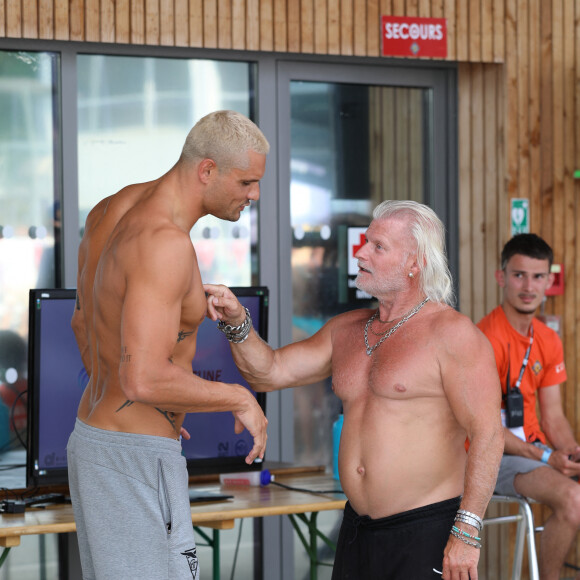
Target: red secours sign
x,y
409,36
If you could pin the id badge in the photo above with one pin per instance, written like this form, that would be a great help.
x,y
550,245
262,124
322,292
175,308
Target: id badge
x,y
517,431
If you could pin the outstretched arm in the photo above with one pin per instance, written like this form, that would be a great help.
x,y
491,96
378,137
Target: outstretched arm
x,y
301,363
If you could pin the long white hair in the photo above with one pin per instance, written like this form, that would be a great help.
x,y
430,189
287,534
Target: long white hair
x,y
428,232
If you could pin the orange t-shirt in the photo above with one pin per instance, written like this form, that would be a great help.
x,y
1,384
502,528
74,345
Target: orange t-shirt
x,y
545,366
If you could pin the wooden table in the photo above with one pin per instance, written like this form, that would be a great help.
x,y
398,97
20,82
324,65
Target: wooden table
x,y
248,502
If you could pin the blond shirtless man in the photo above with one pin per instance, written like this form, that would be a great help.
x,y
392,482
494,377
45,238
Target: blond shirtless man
x,y
140,301
415,378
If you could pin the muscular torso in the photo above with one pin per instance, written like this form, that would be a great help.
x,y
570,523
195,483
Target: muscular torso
x,y
401,446
116,234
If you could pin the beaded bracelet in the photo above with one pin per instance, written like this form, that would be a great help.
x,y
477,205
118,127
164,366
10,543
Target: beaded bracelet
x,y
239,333
464,533
465,540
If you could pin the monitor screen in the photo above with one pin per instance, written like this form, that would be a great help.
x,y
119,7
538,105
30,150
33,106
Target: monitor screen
x,y
57,378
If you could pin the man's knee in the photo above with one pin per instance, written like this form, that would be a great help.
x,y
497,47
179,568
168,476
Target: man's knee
x,y
550,487
570,506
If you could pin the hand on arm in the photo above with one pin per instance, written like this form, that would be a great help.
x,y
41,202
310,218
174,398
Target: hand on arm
x,y
472,386
564,463
294,365
564,460
222,304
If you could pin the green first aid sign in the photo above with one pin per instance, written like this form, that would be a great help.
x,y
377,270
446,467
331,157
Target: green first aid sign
x,y
520,216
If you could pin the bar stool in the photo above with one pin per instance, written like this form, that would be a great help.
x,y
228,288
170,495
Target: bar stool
x,y
525,531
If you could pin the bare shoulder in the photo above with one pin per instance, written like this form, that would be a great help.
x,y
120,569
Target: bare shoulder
x,y
456,331
348,321
344,322
161,246
146,248
99,209
339,330
95,216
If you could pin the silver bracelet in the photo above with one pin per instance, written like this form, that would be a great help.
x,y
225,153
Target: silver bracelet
x,y
469,521
237,334
469,518
471,515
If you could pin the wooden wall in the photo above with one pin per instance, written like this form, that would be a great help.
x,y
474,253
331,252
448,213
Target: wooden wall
x,y
396,136
519,116
476,28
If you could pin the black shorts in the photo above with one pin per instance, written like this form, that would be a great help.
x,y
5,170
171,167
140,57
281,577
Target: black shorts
x,y
403,546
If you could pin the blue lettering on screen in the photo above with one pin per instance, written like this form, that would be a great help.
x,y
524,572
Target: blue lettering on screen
x,y
209,375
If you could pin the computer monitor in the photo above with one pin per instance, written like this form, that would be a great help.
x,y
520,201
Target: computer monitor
x,y
57,378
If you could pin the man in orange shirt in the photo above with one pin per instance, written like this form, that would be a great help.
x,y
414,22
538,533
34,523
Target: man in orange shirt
x,y
529,356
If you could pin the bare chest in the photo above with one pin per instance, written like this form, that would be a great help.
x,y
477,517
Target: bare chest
x,y
403,366
193,311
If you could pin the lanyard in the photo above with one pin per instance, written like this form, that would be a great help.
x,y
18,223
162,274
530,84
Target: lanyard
x,y
524,363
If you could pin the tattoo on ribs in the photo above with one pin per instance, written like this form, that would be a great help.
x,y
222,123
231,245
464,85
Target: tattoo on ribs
x,y
182,335
77,302
125,357
168,415
127,403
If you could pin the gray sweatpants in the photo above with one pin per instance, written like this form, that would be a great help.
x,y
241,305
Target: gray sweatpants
x,y
131,505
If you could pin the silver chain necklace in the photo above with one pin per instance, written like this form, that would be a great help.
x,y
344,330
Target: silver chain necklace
x,y
410,314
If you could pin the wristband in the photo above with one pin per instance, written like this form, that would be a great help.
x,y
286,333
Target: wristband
x,y
546,455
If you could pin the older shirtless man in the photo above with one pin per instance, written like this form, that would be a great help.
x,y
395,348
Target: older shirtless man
x,y
415,378
140,301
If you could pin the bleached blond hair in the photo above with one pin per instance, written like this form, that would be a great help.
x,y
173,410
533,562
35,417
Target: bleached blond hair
x,y
226,137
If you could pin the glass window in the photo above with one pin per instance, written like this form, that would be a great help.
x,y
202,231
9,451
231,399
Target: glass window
x,y
352,146
133,116
29,225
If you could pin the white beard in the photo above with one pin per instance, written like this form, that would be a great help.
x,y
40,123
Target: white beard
x,y
382,284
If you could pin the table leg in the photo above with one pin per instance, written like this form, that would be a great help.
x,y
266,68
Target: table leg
x,y
4,555
312,529
216,555
310,543
214,543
